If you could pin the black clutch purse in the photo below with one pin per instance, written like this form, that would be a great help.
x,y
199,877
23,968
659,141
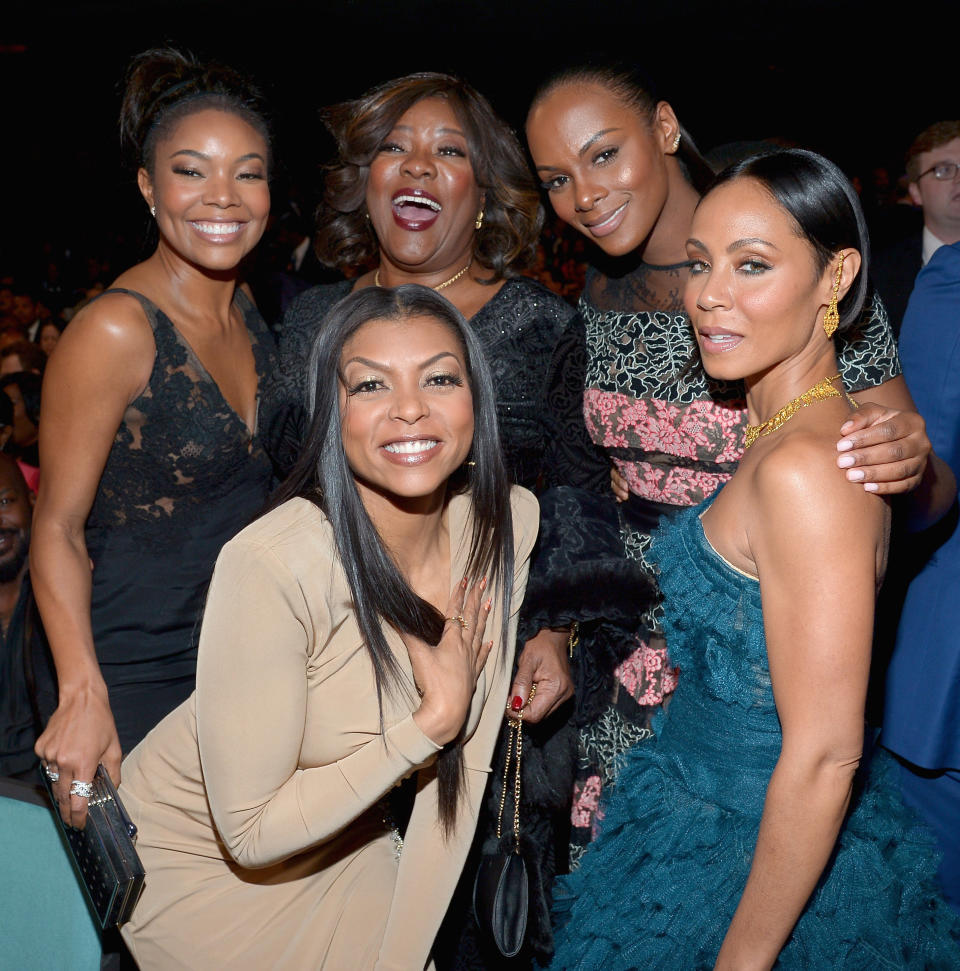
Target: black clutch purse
x,y
103,852
501,891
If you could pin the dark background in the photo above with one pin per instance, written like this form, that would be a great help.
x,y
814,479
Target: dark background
x,y
849,80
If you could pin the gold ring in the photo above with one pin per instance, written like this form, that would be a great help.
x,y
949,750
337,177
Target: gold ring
x,y
459,619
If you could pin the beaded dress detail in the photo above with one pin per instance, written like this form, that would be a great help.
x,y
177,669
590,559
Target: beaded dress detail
x,y
518,328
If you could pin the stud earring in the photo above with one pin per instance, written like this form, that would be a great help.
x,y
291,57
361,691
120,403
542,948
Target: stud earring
x,y
153,211
479,221
831,319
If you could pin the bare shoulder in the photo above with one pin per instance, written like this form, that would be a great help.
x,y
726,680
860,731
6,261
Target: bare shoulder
x,y
108,345
799,492
114,318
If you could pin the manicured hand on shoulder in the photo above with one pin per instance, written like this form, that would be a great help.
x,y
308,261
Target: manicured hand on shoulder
x,y
884,448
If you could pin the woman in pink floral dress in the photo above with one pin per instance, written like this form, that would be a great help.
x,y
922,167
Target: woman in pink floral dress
x,y
629,390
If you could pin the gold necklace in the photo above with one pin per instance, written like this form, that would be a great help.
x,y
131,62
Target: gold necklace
x,y
819,392
439,286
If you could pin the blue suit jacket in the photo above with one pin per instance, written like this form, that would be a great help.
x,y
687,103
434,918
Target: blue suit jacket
x,y
922,713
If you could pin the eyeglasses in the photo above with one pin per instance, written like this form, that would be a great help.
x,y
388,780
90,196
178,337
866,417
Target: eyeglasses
x,y
942,171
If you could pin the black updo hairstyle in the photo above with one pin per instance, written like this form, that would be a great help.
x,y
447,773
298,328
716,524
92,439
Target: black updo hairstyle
x,y
163,86
823,205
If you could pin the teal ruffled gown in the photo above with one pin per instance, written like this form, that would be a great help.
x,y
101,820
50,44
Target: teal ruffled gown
x,y
659,886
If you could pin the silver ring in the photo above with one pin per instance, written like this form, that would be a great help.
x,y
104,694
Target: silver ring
x,y
82,789
52,774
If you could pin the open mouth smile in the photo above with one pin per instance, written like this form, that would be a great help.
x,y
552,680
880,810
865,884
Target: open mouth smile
x,y
219,232
411,451
415,209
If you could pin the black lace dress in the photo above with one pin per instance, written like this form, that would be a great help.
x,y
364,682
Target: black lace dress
x,y
518,329
184,474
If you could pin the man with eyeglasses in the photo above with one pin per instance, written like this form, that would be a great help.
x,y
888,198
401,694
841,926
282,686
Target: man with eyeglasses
x,y
933,170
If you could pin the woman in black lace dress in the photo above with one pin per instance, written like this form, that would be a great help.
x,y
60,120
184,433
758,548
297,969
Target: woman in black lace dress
x,y
150,447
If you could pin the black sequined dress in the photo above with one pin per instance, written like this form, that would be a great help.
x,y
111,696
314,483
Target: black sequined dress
x,y
518,328
184,474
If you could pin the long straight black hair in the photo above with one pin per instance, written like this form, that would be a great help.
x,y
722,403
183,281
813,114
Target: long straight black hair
x,y
322,475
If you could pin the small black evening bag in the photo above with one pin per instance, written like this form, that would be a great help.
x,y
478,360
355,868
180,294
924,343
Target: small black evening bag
x,y
103,852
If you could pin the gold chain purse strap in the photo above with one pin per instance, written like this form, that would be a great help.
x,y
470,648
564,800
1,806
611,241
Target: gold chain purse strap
x,y
515,751
501,889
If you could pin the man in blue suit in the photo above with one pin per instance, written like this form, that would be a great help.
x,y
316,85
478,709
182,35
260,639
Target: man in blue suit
x,y
921,723
931,164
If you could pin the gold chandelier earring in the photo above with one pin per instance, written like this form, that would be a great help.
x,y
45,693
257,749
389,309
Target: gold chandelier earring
x,y
831,319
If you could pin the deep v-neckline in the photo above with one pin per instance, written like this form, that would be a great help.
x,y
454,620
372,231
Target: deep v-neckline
x,y
197,360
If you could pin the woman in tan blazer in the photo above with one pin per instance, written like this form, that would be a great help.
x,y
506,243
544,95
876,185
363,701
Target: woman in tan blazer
x,y
358,634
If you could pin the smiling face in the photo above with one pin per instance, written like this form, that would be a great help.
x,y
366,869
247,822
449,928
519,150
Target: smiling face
x,y
422,195
209,186
16,511
603,164
754,294
406,405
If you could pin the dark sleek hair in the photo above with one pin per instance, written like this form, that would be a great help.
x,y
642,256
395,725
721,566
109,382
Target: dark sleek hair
x,y
29,385
381,594
6,416
824,206
164,85
513,217
626,83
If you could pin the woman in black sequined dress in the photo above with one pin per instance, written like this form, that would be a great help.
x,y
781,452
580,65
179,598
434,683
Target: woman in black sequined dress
x,y
151,448
431,187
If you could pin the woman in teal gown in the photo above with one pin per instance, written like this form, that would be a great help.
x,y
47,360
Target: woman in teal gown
x,y
757,830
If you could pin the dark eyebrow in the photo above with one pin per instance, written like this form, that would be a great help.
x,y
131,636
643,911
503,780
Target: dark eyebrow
x,y
750,241
736,244
195,154
587,145
385,367
441,131
590,142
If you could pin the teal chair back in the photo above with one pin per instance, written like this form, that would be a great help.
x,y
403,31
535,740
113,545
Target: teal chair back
x,y
45,923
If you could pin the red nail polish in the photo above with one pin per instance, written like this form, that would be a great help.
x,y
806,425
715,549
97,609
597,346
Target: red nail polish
x,y
517,703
